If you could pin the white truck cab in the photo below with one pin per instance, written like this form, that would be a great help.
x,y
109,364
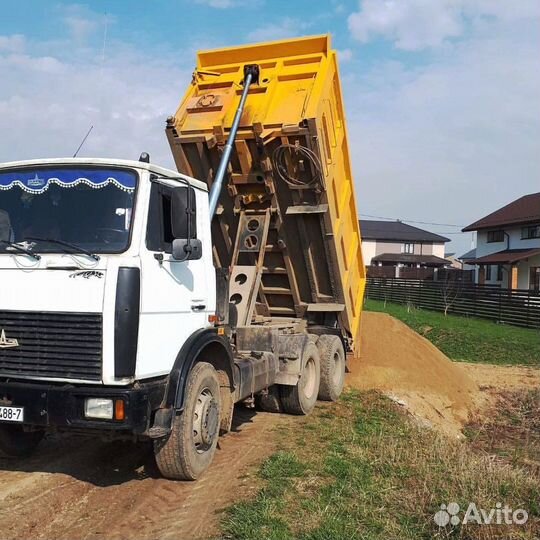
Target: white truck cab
x,y
88,242
96,304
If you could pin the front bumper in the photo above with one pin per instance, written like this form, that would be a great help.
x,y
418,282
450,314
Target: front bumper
x,y
61,407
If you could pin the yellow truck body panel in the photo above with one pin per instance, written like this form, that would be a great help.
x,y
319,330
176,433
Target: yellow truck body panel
x,y
309,261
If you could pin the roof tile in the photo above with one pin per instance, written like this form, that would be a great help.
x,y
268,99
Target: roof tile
x,y
396,231
526,209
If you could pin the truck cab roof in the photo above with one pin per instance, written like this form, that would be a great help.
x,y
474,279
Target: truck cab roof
x,y
160,171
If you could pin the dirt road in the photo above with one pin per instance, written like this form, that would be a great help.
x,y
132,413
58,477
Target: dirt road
x,y
78,488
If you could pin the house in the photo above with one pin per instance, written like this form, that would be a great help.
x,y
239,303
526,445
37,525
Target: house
x,y
466,259
508,245
453,261
394,243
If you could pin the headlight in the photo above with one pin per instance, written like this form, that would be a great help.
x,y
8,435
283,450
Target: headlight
x,y
98,408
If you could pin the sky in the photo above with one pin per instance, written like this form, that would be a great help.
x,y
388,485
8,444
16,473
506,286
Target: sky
x,y
442,97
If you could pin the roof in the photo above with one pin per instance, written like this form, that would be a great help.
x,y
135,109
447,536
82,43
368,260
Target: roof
x,y
409,258
526,209
161,171
508,256
397,231
468,256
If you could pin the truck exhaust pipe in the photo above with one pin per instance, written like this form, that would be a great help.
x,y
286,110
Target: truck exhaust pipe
x,y
251,75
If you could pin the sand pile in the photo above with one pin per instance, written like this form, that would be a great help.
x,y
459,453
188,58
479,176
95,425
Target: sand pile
x,y
409,369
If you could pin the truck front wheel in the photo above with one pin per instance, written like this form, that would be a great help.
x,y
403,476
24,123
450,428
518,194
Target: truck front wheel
x,y
301,399
189,449
332,367
15,442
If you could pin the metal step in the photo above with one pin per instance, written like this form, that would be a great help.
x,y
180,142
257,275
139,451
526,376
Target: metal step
x,y
276,270
276,290
282,311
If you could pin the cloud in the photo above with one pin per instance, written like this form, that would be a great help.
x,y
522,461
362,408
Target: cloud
x,y
457,136
286,28
344,55
82,23
411,24
48,102
226,4
13,43
418,24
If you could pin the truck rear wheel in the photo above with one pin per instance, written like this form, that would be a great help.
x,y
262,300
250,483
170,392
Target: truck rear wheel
x,y
15,442
189,449
301,399
332,367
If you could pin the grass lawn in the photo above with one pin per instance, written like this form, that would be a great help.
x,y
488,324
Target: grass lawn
x,y
469,339
360,469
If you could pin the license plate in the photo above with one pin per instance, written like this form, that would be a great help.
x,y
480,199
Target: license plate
x,y
11,414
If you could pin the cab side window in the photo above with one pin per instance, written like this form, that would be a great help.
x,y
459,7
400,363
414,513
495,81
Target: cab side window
x,y
170,216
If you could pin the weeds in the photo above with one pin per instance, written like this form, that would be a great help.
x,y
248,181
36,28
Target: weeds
x,y
361,469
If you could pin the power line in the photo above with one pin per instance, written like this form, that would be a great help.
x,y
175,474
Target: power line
x,y
413,221
438,232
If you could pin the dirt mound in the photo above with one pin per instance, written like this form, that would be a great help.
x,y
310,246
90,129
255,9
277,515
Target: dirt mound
x,y
413,372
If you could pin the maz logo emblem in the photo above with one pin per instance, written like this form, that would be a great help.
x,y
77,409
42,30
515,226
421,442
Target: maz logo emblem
x,y
87,274
5,342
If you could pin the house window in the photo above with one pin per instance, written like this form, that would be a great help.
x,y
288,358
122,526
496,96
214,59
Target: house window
x,y
531,231
495,236
407,248
499,272
534,282
488,272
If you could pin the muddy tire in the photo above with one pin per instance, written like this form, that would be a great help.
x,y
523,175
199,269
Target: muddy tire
x,y
190,447
271,401
15,442
301,399
332,367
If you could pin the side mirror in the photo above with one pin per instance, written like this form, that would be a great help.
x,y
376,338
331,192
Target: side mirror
x,y
183,212
186,250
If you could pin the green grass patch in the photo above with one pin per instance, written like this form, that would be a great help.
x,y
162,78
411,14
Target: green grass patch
x,y
469,339
360,469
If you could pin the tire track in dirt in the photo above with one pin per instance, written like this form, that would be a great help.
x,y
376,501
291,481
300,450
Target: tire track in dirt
x,y
76,488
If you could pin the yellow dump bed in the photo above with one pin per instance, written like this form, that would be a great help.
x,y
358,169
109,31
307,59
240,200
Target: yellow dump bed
x,y
286,223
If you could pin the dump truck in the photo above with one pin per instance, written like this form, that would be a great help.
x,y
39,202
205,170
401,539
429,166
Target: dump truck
x,y
144,303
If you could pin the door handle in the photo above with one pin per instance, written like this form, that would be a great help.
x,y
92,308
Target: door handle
x,y
198,307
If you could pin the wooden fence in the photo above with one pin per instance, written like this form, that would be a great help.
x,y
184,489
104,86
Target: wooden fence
x,y
516,307
440,274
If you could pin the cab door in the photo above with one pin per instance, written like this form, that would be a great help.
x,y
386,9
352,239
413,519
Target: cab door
x,y
175,296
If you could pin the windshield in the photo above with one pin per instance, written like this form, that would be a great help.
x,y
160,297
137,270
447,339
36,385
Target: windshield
x,y
89,207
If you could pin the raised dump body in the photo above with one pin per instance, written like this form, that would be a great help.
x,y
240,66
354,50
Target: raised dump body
x,y
286,223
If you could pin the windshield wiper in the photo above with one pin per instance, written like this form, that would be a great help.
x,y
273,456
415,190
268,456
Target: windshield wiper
x,y
21,249
74,247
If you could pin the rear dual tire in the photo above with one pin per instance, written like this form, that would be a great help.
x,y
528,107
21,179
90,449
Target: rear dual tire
x,y
332,367
301,399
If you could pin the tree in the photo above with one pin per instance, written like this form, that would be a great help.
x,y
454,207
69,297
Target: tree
x,y
450,291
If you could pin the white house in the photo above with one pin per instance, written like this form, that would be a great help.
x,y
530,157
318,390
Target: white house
x,y
508,245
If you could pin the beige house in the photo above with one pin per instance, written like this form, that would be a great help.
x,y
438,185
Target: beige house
x,y
394,243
